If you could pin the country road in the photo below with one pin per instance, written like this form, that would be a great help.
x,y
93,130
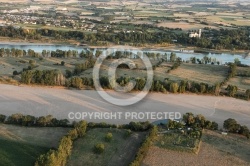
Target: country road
x,y
40,101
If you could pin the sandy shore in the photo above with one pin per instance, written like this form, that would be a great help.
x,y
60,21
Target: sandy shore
x,y
40,101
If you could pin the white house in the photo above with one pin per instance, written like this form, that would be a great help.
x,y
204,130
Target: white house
x,y
195,34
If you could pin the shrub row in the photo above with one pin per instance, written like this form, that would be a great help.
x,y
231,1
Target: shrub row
x,y
142,152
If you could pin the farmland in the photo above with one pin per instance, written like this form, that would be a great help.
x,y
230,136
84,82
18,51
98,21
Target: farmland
x,y
115,153
21,145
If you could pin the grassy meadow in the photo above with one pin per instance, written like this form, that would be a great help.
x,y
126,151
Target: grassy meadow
x,y
120,151
20,146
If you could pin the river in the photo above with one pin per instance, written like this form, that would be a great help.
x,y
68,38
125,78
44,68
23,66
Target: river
x,y
222,57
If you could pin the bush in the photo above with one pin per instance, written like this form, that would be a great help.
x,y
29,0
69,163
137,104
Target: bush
x,y
62,63
99,148
32,62
109,137
15,73
128,133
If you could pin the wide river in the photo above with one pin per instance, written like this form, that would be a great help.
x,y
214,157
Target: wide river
x,y
222,58
41,101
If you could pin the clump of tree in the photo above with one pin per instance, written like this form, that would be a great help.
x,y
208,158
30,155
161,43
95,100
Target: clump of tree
x,y
231,125
172,124
45,77
198,121
80,67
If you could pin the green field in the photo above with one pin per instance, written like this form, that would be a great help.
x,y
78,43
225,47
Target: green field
x,y
120,151
20,146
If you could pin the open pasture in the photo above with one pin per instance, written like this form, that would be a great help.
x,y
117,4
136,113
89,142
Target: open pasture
x,y
119,151
20,146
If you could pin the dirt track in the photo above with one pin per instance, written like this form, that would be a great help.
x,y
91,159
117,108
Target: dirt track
x,y
40,101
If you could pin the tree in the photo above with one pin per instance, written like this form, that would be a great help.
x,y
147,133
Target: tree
x,y
108,137
189,119
200,120
237,61
26,77
183,86
245,131
81,128
2,118
248,94
15,119
99,148
174,87
73,134
214,126
233,70
232,90
44,121
172,57
44,53
28,120
216,89
231,125
76,82
203,88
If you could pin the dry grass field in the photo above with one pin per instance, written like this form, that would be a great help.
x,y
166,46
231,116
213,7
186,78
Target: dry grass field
x,y
120,151
183,25
8,65
215,150
194,72
243,83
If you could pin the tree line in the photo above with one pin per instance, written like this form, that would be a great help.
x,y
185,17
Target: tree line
x,y
32,121
211,38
